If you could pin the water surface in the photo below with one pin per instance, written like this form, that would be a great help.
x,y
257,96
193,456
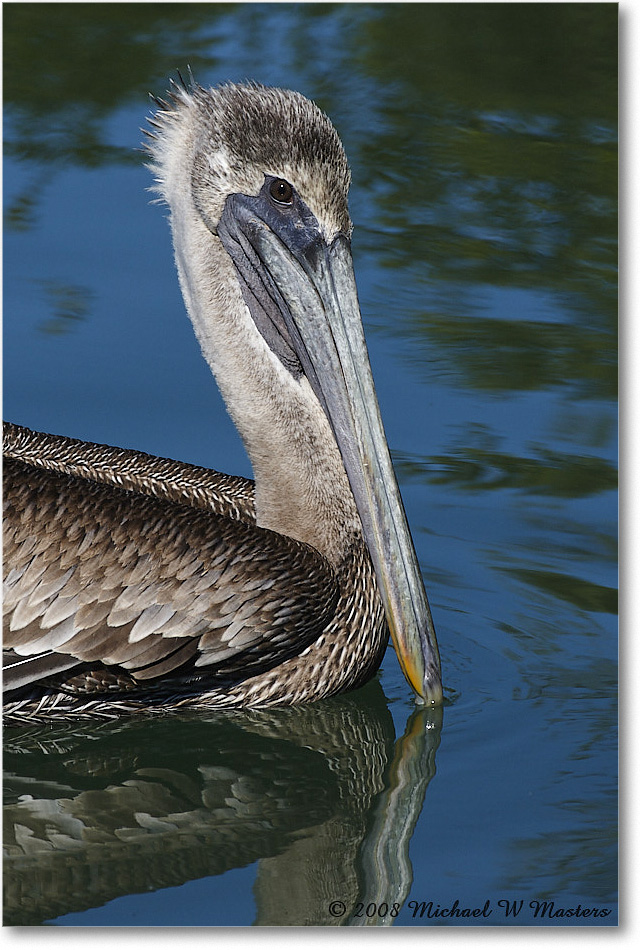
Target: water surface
x,y
482,141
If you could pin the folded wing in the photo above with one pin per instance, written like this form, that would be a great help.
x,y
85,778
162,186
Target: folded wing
x,y
136,587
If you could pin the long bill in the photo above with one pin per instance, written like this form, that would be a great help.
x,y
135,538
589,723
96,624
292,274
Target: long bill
x,y
317,284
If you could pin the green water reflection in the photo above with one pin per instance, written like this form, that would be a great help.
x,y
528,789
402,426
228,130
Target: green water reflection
x,y
549,473
493,156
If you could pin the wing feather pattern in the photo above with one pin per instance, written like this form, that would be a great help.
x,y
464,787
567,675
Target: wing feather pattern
x,y
229,495
151,588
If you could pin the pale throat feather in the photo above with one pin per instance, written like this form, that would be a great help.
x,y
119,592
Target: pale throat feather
x,y
301,486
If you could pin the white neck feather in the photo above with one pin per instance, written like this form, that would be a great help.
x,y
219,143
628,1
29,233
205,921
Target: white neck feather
x,y
301,486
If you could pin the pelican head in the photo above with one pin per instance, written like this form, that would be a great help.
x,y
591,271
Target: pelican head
x,y
257,180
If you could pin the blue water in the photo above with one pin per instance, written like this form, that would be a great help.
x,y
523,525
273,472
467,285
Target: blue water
x,y
484,255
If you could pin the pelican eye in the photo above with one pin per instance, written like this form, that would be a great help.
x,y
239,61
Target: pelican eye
x,y
281,191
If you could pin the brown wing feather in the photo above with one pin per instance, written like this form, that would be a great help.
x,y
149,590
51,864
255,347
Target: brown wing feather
x,y
228,495
102,575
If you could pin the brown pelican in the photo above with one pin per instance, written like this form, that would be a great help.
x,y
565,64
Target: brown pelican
x,y
139,583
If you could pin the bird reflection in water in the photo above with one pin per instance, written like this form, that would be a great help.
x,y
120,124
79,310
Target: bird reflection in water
x,y
322,796
136,583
